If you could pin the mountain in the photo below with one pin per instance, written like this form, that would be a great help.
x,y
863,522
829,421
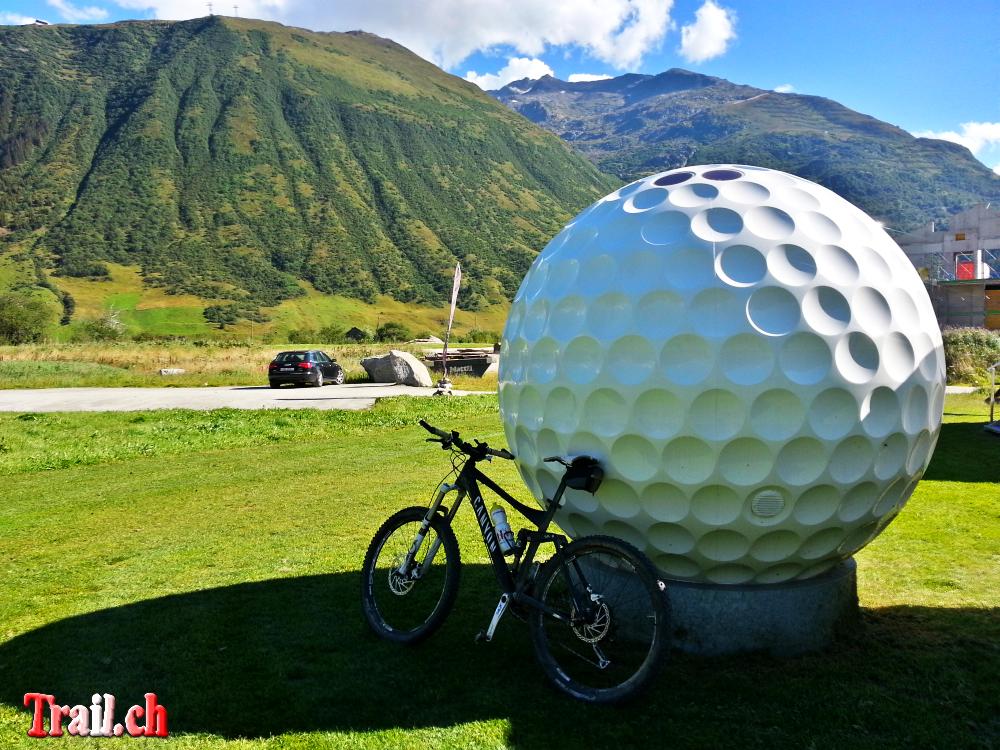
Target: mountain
x,y
637,124
246,163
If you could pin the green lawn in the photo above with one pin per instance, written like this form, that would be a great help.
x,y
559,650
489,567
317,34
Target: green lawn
x,y
213,558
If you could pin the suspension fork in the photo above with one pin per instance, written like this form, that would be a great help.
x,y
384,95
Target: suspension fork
x,y
418,540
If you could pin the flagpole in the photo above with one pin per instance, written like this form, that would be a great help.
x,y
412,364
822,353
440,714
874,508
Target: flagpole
x,y
444,384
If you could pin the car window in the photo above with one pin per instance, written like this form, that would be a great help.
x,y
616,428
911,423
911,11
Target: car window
x,y
322,357
291,357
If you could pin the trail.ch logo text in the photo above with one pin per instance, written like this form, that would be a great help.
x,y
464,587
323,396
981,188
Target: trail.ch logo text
x,y
96,720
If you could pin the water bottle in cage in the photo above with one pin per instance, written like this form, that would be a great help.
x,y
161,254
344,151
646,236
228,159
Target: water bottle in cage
x,y
504,534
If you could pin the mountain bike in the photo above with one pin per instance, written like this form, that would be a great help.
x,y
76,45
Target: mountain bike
x,y
596,607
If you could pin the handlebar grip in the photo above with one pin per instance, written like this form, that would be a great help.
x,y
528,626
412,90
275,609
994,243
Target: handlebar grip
x,y
434,430
501,453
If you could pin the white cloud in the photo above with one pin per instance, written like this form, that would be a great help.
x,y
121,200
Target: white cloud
x,y
14,19
585,77
997,169
785,88
76,14
975,136
515,69
617,32
709,36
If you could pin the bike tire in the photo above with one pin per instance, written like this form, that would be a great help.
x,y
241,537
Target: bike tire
x,y
631,613
382,605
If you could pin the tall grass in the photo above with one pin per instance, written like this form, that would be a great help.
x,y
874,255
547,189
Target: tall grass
x,y
968,352
98,364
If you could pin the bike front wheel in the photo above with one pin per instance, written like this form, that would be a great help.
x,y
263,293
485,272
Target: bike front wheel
x,y
601,634
409,582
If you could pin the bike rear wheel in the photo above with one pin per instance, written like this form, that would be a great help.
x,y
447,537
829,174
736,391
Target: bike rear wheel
x,y
406,597
611,639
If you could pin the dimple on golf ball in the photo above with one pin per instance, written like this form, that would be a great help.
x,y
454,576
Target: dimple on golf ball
x,y
754,361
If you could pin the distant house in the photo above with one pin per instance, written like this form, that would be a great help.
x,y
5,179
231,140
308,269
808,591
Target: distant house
x,y
355,334
961,266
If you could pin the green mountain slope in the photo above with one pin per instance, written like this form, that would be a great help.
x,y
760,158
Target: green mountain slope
x,y
231,159
637,124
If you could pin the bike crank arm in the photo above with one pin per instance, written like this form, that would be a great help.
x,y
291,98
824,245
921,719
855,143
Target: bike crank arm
x,y
487,636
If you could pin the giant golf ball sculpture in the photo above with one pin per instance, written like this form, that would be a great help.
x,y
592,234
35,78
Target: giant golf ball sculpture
x,y
754,360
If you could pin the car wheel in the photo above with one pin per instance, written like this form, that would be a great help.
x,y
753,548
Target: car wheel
x,y
338,376
319,379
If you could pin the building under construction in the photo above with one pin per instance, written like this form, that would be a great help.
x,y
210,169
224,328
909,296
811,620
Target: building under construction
x,y
961,266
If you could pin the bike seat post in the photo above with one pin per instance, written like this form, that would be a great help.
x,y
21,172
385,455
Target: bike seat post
x,y
560,491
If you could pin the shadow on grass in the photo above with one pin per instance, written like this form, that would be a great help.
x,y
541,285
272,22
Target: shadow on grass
x,y
965,453
293,655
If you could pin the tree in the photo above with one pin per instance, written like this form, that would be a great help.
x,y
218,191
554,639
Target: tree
x,y
393,331
222,315
331,334
23,318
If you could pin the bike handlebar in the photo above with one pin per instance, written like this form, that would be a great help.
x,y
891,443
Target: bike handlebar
x,y
479,450
434,430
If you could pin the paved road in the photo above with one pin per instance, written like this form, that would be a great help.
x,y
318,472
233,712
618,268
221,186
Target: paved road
x,y
349,396
959,389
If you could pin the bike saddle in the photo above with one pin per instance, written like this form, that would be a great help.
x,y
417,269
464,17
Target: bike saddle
x,y
582,472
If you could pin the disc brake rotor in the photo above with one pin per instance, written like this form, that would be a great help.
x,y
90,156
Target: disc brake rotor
x,y
399,584
597,628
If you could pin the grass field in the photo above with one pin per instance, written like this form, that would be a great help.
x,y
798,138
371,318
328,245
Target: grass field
x,y
213,558
150,310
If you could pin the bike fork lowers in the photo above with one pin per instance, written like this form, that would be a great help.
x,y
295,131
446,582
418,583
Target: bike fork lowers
x,y
418,540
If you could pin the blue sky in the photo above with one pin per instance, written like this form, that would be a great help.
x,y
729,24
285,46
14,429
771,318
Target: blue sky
x,y
929,67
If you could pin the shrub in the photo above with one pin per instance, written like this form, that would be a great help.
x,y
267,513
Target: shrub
x,y
332,334
968,352
480,336
23,318
393,331
148,337
303,336
108,327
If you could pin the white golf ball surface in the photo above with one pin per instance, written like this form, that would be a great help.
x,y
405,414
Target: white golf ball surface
x,y
754,361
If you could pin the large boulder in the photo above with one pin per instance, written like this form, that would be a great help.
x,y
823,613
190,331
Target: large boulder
x,y
397,367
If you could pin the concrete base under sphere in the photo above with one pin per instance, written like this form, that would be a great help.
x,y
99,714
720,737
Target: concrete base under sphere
x,y
781,619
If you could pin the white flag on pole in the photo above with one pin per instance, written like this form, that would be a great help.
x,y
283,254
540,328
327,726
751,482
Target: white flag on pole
x,y
451,318
454,296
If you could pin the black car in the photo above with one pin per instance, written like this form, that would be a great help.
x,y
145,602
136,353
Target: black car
x,y
307,366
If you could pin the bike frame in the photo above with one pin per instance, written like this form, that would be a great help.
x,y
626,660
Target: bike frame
x,y
511,578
